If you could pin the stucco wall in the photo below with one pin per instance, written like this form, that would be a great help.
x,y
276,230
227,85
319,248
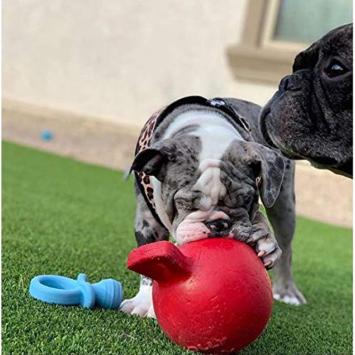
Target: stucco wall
x,y
120,60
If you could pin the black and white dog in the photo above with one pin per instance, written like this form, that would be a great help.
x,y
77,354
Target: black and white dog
x,y
200,166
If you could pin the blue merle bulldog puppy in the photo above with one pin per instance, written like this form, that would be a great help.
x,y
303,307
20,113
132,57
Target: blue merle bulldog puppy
x,y
200,167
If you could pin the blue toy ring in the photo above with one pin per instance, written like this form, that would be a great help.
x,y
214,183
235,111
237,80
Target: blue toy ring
x,y
66,291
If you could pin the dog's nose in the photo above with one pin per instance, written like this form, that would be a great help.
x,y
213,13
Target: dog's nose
x,y
284,83
291,82
218,226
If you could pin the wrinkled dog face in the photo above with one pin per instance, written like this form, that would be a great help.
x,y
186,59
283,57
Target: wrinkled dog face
x,y
213,197
311,114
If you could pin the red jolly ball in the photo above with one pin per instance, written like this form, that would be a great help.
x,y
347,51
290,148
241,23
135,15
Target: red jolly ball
x,y
211,295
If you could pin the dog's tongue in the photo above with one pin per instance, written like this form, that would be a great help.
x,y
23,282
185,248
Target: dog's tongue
x,y
189,231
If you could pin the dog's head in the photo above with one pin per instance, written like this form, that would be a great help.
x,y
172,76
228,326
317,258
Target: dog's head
x,y
310,116
207,198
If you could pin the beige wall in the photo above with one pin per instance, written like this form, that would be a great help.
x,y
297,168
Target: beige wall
x,y
120,59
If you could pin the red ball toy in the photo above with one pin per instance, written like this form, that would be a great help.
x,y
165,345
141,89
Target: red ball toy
x,y
211,295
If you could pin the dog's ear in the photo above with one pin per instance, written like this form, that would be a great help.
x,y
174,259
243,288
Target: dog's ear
x,y
152,160
149,161
269,169
306,59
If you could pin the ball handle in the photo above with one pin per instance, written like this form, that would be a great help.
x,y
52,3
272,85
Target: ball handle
x,y
161,261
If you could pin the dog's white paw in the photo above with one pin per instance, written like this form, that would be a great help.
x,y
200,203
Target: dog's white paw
x,y
269,251
290,295
141,304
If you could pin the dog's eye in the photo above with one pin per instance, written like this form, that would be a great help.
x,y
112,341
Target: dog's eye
x,y
334,69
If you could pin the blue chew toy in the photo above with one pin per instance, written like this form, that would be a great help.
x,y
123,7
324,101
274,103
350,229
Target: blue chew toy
x,y
47,135
65,291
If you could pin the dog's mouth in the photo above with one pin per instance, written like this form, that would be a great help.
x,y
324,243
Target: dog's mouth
x,y
270,139
203,224
264,131
219,227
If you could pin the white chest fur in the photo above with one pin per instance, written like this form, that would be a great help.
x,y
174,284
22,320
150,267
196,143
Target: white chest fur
x,y
215,132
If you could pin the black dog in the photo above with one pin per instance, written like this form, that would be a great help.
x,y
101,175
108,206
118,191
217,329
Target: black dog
x,y
310,116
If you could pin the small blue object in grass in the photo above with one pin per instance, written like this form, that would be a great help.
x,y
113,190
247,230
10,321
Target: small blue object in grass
x,y
47,135
66,291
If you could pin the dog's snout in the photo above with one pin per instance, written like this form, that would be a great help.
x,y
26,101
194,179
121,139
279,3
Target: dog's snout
x,y
285,83
218,225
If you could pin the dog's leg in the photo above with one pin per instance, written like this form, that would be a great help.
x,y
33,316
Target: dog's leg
x,y
283,219
147,230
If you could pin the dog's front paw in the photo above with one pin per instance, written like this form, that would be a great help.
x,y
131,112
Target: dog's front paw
x,y
265,244
141,304
241,232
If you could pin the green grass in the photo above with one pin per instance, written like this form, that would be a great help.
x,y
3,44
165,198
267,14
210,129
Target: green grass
x,y
64,217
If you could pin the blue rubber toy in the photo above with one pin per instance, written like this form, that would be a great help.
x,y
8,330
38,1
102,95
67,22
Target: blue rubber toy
x,y
47,135
65,291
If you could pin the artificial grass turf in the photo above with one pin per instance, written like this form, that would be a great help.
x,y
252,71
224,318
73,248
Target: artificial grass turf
x,y
64,217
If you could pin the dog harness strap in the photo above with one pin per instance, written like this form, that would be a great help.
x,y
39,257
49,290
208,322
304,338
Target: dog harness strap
x,y
143,180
